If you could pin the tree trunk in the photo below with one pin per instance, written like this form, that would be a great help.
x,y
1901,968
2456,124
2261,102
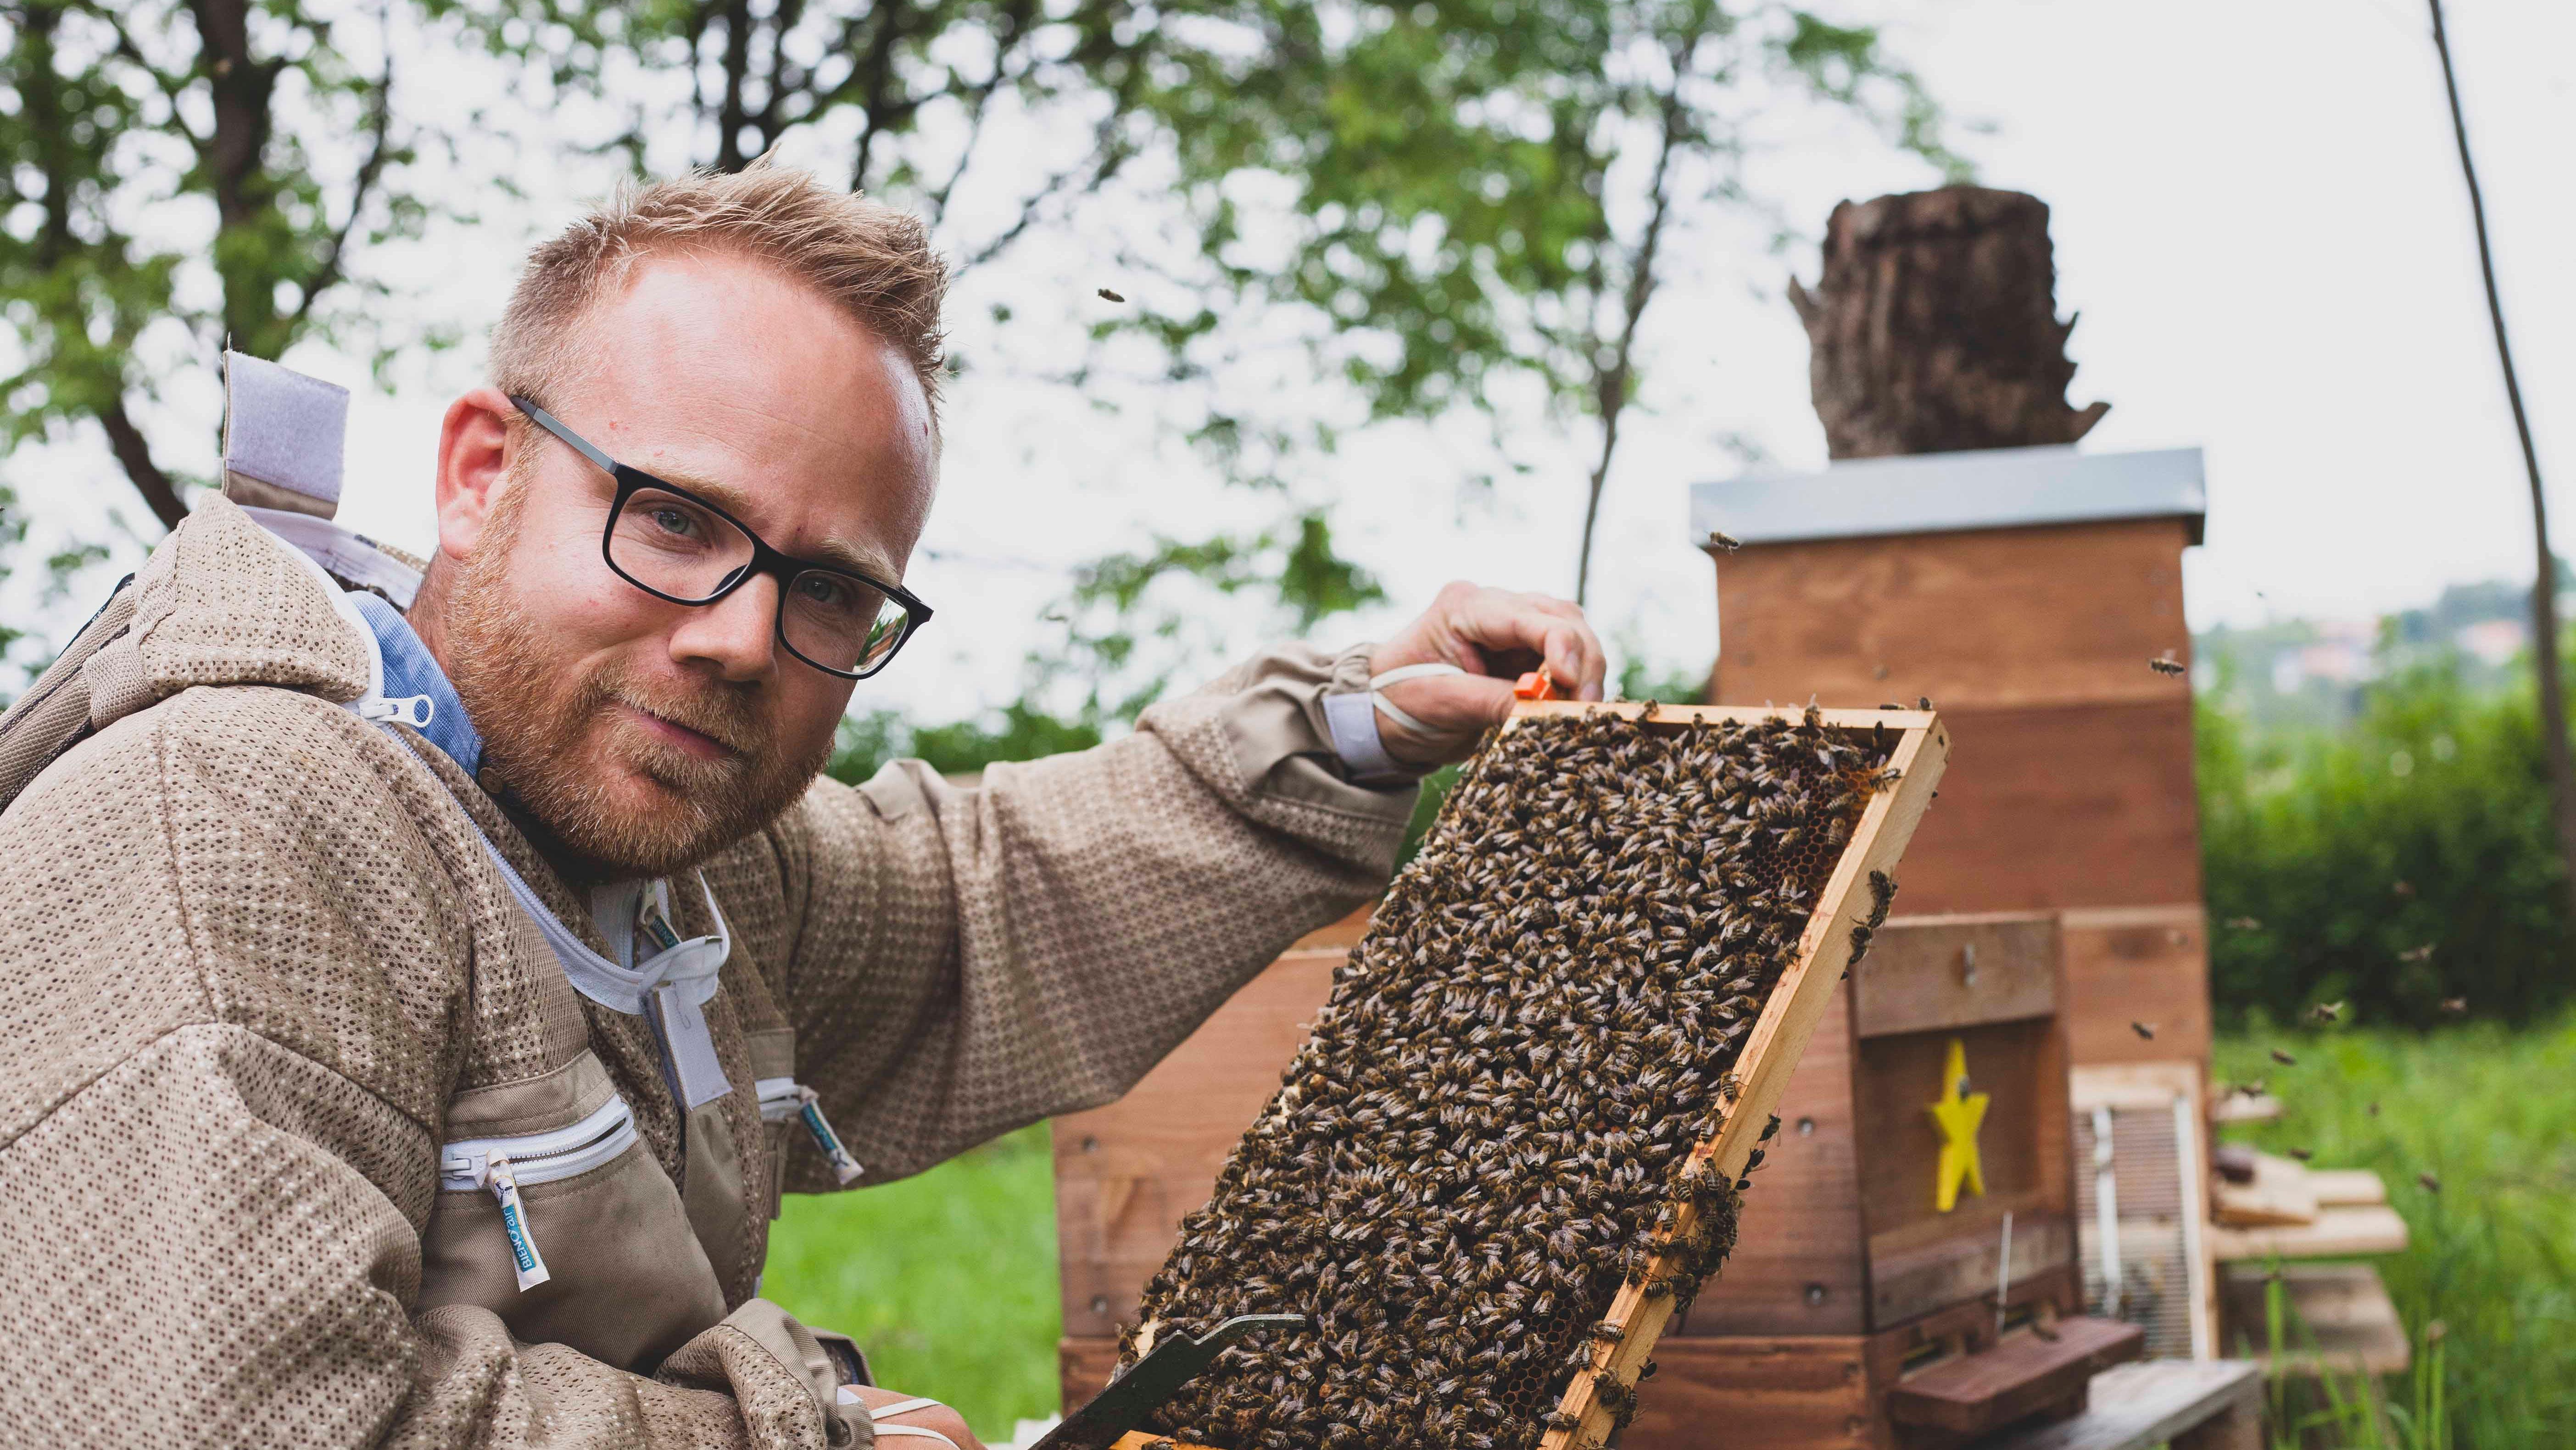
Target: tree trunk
x,y
2544,584
1934,327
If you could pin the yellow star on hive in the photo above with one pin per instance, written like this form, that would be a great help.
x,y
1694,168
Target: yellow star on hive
x,y
1958,1116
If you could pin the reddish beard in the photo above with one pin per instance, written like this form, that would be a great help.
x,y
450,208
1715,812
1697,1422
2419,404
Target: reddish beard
x,y
555,735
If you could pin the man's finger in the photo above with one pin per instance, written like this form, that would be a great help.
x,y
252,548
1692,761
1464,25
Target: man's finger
x,y
1573,655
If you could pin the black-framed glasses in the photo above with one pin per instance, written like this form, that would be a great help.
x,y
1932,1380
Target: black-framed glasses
x,y
675,545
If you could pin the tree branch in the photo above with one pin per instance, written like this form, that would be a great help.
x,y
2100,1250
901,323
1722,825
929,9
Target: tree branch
x,y
380,128
135,455
1611,385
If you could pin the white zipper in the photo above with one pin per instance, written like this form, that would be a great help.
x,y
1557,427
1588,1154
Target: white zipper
x,y
412,710
782,1098
500,1166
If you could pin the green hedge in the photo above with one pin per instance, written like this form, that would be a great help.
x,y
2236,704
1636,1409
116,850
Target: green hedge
x,y
2335,858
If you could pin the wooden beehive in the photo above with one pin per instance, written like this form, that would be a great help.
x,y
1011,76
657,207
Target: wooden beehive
x,y
1125,1174
2023,591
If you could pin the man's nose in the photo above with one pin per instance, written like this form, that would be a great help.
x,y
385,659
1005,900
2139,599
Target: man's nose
x,y
736,636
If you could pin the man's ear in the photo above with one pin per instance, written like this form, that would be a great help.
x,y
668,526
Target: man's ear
x,y
474,443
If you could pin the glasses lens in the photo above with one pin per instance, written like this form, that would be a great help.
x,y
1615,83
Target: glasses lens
x,y
675,546
840,621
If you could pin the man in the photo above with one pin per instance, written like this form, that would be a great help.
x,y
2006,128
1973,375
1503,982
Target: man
x,y
416,1012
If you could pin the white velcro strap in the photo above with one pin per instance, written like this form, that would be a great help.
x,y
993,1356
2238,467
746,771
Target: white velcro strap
x,y
1379,682
904,1407
921,1431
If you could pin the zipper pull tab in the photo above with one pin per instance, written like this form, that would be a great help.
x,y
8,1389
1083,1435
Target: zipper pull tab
x,y
844,1167
412,710
524,1258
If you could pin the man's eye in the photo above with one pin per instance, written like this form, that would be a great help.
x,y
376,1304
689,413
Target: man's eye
x,y
820,590
672,520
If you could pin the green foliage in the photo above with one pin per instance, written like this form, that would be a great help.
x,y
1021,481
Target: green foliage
x,y
221,164
1133,623
1019,731
2407,859
1462,203
1640,679
947,1279
1453,164
911,83
2487,1285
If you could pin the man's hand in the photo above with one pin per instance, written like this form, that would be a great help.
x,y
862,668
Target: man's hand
x,y
946,1423
1496,637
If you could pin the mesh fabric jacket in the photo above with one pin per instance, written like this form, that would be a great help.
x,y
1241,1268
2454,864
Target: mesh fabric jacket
x,y
256,968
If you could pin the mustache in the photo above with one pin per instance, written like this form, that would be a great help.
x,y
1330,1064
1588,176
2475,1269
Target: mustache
x,y
732,721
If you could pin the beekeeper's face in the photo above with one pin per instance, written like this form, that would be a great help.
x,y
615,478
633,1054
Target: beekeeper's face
x,y
773,457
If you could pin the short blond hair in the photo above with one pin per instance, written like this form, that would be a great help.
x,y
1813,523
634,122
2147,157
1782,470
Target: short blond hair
x,y
871,260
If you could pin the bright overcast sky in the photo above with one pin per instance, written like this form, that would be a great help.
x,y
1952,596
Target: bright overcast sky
x,y
2258,212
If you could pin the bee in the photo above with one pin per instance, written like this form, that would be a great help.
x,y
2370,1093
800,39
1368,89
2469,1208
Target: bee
x,y
2283,1058
2431,1183
2423,953
2327,1011
2145,1030
2303,1154
2167,665
2243,923
1720,541
1107,295
2455,1005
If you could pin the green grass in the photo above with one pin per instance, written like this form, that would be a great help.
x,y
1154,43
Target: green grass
x,y
947,1279
2488,1113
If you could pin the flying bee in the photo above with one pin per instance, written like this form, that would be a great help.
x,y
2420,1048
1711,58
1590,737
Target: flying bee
x,y
2145,1030
2167,664
2283,1058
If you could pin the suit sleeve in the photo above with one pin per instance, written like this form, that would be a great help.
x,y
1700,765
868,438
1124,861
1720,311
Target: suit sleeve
x,y
232,991
969,960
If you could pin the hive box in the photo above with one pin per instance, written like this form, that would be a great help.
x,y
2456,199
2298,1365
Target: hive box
x,y
1852,1311
2023,591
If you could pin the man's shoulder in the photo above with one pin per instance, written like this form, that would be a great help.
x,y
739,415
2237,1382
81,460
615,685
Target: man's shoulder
x,y
281,746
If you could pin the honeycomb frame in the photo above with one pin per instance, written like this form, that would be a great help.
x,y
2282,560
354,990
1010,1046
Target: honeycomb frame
x,y
1600,1397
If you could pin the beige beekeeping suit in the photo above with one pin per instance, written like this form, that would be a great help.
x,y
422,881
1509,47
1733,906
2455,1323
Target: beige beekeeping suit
x,y
259,971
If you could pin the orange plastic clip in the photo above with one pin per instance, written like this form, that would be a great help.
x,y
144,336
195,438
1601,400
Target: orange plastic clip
x,y
1534,686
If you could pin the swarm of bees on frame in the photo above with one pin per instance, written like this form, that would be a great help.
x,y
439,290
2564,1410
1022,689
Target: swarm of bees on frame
x,y
1490,1130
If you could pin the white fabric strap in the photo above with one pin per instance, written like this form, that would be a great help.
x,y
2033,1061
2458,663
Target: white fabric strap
x,y
284,429
879,1414
345,552
904,1407
920,1431
1378,683
690,967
